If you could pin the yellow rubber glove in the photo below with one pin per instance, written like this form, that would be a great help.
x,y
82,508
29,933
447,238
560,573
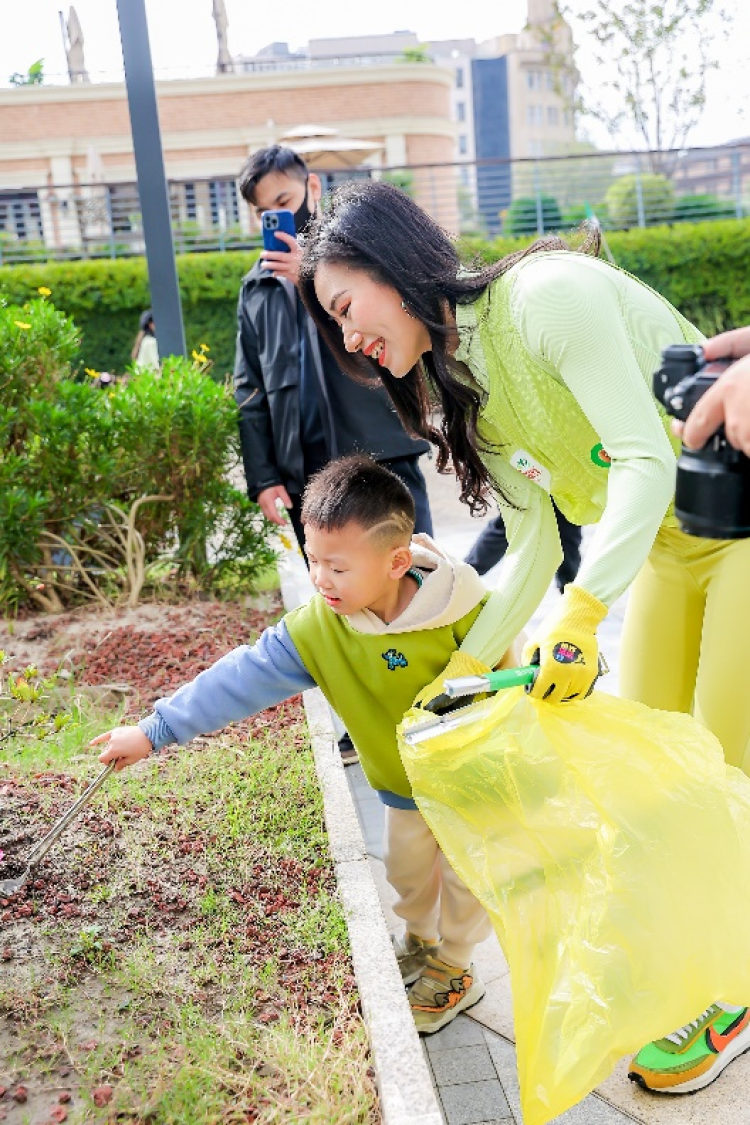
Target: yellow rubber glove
x,y
564,646
433,697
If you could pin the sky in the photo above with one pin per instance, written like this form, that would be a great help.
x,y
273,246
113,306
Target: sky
x,y
183,39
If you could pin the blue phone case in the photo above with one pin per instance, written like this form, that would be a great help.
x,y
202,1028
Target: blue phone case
x,y
271,221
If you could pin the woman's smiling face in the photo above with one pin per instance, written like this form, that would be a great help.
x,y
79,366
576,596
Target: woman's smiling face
x,y
371,317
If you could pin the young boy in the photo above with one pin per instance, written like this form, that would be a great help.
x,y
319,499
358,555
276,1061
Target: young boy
x,y
389,615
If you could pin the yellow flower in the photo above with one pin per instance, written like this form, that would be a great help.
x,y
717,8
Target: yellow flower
x,y
45,292
22,324
285,541
205,348
90,371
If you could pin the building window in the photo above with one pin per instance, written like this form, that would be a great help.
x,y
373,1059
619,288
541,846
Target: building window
x,y
224,204
461,111
463,175
459,78
550,79
463,146
553,115
20,215
566,117
534,115
533,79
191,206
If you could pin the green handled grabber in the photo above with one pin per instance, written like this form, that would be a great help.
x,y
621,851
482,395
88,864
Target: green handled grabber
x,y
493,681
448,717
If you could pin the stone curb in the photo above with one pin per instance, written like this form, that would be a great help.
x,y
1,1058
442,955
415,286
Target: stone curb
x,y
407,1096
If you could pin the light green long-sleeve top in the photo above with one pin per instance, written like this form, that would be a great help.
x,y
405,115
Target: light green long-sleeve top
x,y
563,348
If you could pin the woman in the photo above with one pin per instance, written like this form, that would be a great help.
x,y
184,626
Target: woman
x,y
145,352
542,364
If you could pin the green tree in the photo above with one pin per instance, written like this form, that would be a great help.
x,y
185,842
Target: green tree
x,y
33,77
657,55
657,199
523,216
418,54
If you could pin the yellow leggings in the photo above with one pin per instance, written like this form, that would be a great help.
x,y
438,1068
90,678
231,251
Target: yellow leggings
x,y
686,639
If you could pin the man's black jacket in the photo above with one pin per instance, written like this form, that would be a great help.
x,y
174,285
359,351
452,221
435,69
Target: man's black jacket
x,y
267,392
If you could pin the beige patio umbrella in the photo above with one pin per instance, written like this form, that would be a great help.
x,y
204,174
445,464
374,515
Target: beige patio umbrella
x,y
224,59
326,148
74,49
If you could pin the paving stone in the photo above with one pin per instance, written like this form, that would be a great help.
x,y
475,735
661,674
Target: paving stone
x,y
462,1064
462,1032
471,1103
591,1111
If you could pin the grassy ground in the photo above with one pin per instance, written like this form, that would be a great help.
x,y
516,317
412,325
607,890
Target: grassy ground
x,y
181,956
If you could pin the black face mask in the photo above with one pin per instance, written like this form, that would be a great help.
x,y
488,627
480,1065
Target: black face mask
x,y
303,214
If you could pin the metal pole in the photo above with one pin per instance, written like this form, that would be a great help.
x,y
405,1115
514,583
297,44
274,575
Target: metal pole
x,y
639,194
737,184
538,198
111,221
152,182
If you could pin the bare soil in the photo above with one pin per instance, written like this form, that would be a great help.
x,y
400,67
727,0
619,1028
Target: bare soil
x,y
93,898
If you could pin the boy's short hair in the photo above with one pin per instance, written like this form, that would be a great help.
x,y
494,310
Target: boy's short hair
x,y
275,158
357,490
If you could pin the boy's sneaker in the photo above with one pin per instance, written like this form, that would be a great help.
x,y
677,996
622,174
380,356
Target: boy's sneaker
x,y
695,1055
411,954
441,992
348,751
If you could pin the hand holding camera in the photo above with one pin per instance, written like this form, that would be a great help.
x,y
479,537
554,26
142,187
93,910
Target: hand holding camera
x,y
712,497
728,402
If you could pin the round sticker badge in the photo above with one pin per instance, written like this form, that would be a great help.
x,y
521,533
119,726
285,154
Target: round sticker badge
x,y
600,456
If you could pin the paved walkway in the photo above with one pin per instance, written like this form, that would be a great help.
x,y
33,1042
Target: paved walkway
x,y
472,1061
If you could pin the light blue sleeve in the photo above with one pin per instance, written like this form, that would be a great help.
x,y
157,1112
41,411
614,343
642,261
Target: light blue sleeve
x,y
243,682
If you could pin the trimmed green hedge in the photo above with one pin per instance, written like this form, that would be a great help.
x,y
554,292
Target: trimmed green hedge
x,y
106,297
700,267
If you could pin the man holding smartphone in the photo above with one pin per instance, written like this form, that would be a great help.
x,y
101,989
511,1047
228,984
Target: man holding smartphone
x,y
297,410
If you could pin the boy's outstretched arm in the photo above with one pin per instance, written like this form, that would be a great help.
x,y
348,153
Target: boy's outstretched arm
x,y
243,682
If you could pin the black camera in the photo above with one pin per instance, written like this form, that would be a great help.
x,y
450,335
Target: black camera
x,y
712,498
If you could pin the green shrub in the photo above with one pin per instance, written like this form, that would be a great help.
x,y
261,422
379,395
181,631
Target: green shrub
x,y
657,195
101,488
700,267
105,298
522,216
694,208
581,212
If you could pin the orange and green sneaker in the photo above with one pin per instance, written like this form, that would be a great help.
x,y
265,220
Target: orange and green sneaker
x,y
695,1055
441,992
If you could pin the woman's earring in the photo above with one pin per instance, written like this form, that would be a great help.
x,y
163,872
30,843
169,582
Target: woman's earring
x,y
406,309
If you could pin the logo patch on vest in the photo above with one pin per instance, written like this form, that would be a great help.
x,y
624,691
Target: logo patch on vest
x,y
530,468
600,456
394,659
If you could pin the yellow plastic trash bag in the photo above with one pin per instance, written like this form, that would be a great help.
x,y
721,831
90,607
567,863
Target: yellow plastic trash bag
x,y
610,845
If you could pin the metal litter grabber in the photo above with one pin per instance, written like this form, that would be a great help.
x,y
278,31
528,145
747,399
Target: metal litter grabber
x,y
493,681
469,686
37,853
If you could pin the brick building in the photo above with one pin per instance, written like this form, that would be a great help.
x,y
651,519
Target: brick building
x,y
57,138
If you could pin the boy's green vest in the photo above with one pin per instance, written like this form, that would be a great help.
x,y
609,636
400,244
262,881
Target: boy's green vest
x,y
371,681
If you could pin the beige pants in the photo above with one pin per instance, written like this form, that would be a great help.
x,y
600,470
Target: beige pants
x,y
432,900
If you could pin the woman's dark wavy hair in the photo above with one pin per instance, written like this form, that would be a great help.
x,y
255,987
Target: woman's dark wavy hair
x,y
374,227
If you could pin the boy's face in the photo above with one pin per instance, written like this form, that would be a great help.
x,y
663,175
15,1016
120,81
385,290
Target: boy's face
x,y
280,192
353,570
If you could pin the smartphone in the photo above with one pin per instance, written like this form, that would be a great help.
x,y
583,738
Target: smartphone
x,y
271,221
